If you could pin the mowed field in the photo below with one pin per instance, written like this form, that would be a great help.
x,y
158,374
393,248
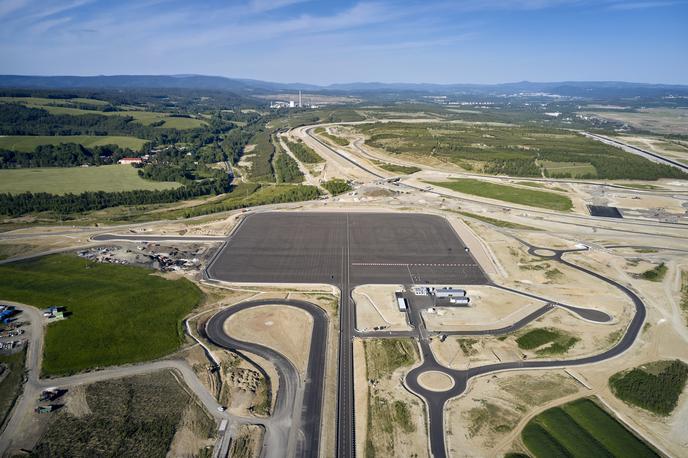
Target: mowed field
x,y
57,180
28,143
581,429
119,314
530,197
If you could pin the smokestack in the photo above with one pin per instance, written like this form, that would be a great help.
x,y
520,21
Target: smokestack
x,y
300,100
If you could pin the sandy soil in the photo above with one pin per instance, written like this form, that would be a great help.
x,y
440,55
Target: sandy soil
x,y
282,328
489,308
376,306
435,381
493,405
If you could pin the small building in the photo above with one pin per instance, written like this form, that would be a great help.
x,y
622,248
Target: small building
x,y
401,302
459,300
449,292
130,160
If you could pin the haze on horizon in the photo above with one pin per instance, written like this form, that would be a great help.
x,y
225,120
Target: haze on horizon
x,y
471,41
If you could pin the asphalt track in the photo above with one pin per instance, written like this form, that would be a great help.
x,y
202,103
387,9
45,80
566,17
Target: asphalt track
x,y
281,429
436,401
345,250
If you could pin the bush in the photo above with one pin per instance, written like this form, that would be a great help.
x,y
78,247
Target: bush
x,y
336,186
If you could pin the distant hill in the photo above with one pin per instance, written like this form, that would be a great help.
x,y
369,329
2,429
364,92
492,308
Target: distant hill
x,y
585,89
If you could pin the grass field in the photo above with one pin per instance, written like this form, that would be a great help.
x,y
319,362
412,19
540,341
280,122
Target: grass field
x,y
529,197
332,138
557,341
384,356
120,314
28,143
56,180
400,169
569,169
581,429
10,386
135,416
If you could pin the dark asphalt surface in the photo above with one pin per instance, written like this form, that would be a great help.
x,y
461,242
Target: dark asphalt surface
x,y
345,249
311,414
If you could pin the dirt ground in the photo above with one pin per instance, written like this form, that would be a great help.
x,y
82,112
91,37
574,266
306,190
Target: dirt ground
x,y
282,328
435,381
392,437
492,407
248,442
489,308
376,307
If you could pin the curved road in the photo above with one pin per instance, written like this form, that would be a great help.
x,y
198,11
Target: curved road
x,y
291,387
436,401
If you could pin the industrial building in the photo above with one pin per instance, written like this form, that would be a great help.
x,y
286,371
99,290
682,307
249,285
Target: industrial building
x,y
449,292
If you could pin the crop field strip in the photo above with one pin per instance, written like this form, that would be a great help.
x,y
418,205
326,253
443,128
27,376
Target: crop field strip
x,y
581,429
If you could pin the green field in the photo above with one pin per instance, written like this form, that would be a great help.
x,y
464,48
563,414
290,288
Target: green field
x,y
655,387
530,197
56,180
120,314
332,138
581,429
394,168
28,143
568,169
557,341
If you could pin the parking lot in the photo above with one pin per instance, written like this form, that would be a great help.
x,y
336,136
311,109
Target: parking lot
x,y
369,248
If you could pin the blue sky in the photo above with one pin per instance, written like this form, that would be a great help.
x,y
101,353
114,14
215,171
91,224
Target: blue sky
x,y
460,41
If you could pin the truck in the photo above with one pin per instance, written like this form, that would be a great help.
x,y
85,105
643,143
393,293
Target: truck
x,y
45,409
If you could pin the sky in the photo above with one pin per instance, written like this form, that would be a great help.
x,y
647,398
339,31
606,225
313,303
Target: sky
x,y
323,42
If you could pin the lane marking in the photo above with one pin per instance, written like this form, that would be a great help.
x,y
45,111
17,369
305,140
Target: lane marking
x,y
404,264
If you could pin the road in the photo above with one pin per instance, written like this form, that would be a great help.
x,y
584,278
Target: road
x,y
435,401
295,427
639,151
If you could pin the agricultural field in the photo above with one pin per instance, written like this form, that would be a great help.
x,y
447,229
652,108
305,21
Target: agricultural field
x,y
581,429
148,311
655,387
134,416
506,193
505,149
75,180
28,143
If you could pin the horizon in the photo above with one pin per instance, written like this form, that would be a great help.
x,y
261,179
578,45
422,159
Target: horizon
x,y
311,42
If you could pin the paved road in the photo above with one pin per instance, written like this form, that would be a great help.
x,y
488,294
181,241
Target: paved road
x,y
295,427
634,149
594,222
436,401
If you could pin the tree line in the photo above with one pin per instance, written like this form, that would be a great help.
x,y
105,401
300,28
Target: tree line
x,y
64,155
20,204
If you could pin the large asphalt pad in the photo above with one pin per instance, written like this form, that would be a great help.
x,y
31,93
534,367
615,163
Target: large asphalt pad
x,y
376,248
